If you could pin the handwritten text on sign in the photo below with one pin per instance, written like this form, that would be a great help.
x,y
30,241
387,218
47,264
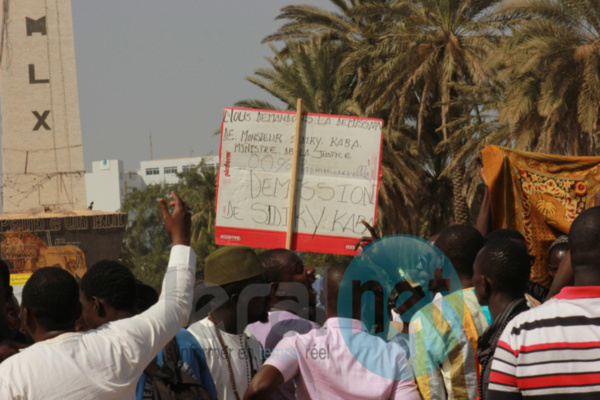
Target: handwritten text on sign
x,y
338,179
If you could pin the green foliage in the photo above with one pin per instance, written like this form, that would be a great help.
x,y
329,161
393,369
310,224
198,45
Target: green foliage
x,y
147,243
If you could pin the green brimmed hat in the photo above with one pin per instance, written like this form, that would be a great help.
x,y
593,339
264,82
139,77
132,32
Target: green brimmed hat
x,y
231,264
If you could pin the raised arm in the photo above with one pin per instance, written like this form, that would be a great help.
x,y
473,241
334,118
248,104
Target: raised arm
x,y
144,335
484,219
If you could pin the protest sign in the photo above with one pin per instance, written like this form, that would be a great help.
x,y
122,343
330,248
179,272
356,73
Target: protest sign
x,y
337,180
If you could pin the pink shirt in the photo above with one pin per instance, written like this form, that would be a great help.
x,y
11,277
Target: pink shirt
x,y
324,367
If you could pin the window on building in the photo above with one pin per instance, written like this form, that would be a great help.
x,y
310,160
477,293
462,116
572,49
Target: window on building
x,y
152,171
170,170
187,168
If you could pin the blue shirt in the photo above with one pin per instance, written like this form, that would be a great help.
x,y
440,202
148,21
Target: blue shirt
x,y
191,361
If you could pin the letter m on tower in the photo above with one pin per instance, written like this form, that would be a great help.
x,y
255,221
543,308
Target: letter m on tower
x,y
36,25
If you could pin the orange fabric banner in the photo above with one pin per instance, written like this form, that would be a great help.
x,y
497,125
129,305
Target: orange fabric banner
x,y
539,195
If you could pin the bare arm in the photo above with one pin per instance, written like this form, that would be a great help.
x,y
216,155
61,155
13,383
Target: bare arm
x,y
263,383
484,219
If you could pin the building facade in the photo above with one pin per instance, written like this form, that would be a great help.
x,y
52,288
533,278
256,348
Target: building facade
x,y
109,184
165,170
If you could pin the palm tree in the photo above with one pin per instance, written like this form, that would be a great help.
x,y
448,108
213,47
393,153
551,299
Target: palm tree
x,y
430,47
313,71
310,22
550,68
309,70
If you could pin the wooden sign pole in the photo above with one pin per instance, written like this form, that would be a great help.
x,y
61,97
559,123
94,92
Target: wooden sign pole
x,y
295,158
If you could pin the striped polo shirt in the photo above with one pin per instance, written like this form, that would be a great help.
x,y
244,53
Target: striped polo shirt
x,y
551,351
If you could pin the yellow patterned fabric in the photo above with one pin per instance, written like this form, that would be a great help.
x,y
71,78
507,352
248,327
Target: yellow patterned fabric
x,y
539,195
443,354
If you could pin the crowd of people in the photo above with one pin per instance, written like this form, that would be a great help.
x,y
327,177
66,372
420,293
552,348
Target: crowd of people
x,y
254,329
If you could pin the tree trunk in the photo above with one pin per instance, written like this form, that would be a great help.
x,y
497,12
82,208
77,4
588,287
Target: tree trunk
x,y
461,210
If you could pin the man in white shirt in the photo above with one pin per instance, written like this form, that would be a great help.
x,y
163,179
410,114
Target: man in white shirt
x,y
339,361
286,316
104,363
232,356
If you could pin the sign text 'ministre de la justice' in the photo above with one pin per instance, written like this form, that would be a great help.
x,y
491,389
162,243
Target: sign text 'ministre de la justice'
x,y
337,182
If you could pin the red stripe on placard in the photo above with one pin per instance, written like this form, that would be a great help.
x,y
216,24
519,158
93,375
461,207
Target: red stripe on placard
x,y
275,239
300,241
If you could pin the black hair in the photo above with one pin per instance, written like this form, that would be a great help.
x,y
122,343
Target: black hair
x,y
584,239
460,243
5,280
147,296
112,282
558,247
276,261
507,264
504,234
51,295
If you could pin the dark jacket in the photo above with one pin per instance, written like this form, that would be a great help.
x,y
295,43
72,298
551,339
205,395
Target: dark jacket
x,y
486,344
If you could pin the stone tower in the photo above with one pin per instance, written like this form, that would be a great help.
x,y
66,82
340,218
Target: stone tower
x,y
42,155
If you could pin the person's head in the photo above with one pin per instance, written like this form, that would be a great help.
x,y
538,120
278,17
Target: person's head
x,y
50,302
333,281
416,295
283,265
13,313
584,242
501,267
5,281
147,296
108,293
234,268
5,301
460,244
358,300
504,234
557,251
513,235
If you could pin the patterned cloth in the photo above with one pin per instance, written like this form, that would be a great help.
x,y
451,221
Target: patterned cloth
x,y
486,345
442,346
539,195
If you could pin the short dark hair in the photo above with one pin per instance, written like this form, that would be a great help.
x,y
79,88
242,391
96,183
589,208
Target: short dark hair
x,y
275,262
147,296
5,280
507,263
112,282
584,239
505,234
460,243
51,295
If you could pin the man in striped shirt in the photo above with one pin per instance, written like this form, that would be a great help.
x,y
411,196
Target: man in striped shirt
x,y
553,351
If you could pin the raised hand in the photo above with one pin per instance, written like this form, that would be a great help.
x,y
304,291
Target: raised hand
x,y
179,222
365,240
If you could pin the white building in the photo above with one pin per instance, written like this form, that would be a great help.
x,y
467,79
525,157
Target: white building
x,y
165,170
108,183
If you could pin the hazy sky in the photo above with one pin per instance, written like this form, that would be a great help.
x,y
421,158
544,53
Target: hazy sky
x,y
166,68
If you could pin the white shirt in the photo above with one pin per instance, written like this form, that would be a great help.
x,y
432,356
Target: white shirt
x,y
325,365
237,349
105,363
